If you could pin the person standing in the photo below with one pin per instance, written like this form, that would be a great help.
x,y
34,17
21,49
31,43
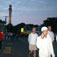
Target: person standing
x,y
51,33
32,42
44,44
1,36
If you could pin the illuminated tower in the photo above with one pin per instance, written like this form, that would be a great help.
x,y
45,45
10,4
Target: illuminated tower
x,y
10,13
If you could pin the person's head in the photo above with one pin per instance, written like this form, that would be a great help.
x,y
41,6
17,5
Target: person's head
x,y
33,29
49,28
1,32
44,30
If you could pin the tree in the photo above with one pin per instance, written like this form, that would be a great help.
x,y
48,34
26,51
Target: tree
x,y
2,21
9,28
51,22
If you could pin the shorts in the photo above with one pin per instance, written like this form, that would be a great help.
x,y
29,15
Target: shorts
x,y
32,47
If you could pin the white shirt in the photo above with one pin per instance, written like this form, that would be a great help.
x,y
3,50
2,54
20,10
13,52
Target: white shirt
x,y
45,47
32,38
51,34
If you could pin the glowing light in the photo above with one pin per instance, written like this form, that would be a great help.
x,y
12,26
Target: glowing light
x,y
22,29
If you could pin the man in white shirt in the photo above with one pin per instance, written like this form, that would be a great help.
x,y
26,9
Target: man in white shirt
x,y
32,42
51,34
44,44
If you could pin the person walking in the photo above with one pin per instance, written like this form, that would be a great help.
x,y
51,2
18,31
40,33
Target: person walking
x,y
51,33
32,38
1,37
44,44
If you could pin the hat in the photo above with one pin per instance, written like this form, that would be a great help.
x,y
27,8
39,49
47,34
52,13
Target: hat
x,y
44,28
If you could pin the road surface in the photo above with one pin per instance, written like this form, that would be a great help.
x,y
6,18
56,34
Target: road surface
x,y
17,48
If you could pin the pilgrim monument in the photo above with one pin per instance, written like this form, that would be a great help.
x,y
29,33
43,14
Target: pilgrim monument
x,y
10,13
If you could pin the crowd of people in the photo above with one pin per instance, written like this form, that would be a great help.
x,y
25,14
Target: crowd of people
x,y
8,36
42,43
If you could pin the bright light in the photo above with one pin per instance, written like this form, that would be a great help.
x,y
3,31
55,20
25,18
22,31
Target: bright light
x,y
22,29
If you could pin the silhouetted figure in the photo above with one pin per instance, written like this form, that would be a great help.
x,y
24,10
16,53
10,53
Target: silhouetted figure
x,y
1,37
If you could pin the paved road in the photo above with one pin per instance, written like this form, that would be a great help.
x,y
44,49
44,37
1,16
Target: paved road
x,y
14,48
17,48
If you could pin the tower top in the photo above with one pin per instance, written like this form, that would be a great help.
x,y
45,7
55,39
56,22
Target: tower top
x,y
10,6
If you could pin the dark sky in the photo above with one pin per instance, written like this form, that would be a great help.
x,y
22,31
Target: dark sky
x,y
28,11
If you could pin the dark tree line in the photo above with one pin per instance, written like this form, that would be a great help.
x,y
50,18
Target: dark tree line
x,y
51,22
16,29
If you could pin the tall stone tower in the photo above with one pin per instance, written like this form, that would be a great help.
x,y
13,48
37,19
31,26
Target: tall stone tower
x,y
10,13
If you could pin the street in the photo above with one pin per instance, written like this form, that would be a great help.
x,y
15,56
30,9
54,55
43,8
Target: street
x,y
14,48
17,48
